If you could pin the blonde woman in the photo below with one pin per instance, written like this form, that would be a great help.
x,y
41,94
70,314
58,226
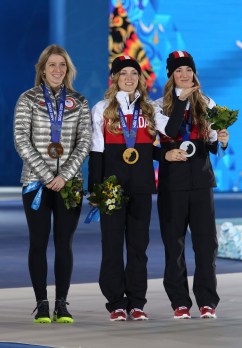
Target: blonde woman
x,y
124,126
52,134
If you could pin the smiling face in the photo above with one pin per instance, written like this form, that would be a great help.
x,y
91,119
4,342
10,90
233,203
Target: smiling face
x,y
183,77
55,70
128,80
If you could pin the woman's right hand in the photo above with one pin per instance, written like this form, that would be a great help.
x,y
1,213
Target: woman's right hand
x,y
186,92
56,184
176,155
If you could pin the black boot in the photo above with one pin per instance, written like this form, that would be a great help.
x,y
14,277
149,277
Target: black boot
x,y
43,315
61,314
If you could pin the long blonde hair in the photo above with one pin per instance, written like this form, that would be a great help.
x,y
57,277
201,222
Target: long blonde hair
x,y
44,56
111,114
198,105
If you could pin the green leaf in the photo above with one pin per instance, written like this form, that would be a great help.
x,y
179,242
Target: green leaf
x,y
221,117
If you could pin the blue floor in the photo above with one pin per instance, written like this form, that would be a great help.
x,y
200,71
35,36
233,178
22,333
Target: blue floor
x,y
19,345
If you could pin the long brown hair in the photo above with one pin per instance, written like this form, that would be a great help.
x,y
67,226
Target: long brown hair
x,y
44,56
198,105
111,112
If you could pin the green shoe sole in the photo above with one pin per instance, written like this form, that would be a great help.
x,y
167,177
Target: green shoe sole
x,y
63,320
42,320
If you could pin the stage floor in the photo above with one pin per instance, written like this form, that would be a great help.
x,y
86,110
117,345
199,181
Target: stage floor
x,y
92,327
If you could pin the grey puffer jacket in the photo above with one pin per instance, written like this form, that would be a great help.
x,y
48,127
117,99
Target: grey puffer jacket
x,y
32,135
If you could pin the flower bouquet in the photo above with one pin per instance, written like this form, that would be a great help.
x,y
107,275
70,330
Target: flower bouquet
x,y
108,196
72,193
221,117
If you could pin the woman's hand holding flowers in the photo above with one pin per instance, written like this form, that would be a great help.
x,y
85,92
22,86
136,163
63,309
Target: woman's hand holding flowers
x,y
56,184
223,137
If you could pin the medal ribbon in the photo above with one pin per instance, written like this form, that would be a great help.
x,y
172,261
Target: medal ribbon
x,y
130,136
93,215
56,122
221,152
36,185
186,125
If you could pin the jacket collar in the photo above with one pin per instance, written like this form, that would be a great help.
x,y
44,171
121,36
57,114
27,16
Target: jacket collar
x,y
123,99
57,94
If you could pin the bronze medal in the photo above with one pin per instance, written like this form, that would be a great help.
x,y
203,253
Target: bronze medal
x,y
130,155
55,150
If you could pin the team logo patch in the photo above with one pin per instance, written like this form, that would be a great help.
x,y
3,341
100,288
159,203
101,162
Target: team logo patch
x,y
70,103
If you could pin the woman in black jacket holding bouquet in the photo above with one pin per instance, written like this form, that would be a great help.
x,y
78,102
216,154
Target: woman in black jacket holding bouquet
x,y
185,190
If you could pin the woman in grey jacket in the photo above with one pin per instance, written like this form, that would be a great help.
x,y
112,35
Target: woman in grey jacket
x,y
52,135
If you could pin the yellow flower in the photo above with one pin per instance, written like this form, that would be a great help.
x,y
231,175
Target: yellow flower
x,y
220,117
108,196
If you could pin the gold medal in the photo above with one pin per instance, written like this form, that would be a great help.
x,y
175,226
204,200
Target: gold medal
x,y
55,150
130,155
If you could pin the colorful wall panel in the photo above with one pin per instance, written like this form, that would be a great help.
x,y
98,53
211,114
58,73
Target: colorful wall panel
x,y
150,29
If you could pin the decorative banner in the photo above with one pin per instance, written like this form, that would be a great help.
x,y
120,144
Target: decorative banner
x,y
124,40
149,30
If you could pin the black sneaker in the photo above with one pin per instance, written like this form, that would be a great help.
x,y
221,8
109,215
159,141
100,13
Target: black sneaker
x,y
43,315
61,314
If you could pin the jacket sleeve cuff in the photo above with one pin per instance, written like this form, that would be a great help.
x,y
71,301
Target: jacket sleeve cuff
x,y
95,175
159,153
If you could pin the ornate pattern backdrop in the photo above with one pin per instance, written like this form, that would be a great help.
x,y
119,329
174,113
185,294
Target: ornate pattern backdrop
x,y
149,30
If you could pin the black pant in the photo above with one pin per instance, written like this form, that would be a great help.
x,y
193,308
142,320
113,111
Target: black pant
x,y
119,278
177,210
39,223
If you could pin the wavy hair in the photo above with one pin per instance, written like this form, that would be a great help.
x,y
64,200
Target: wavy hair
x,y
198,105
44,56
111,114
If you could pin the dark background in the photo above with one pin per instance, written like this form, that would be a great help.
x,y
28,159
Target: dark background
x,y
26,28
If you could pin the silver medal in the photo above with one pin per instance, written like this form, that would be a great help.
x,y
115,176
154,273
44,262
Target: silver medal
x,y
189,147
